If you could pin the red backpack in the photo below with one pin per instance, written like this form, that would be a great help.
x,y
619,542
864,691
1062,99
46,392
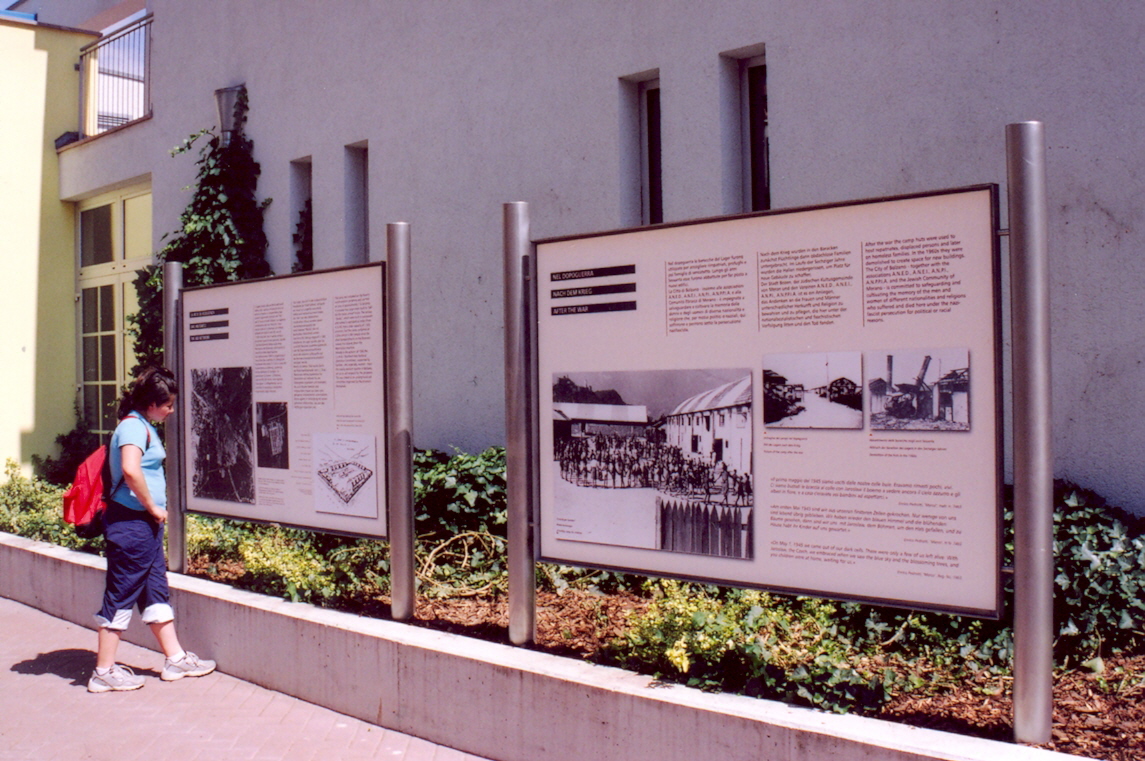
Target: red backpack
x,y
86,500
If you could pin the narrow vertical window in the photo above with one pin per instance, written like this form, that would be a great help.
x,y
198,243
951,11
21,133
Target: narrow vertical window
x,y
652,188
757,177
302,232
357,203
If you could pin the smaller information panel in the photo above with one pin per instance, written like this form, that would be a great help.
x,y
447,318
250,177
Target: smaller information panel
x,y
804,401
283,388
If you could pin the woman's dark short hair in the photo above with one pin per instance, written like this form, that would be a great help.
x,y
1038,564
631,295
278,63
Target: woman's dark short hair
x,y
155,385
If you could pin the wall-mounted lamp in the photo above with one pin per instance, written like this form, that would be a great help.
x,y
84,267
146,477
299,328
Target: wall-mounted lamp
x,y
226,99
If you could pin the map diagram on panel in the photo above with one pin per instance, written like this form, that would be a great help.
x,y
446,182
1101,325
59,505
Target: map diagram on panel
x,y
222,434
345,469
657,459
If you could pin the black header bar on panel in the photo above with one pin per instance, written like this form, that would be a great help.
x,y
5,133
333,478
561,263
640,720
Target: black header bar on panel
x,y
611,306
211,337
623,269
208,325
210,312
593,290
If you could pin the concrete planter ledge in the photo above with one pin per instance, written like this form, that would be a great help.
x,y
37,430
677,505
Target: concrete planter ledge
x,y
480,697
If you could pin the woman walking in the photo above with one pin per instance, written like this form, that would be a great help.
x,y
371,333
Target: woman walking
x,y
134,520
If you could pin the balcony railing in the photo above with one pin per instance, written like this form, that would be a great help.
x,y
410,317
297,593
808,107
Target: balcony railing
x,y
115,79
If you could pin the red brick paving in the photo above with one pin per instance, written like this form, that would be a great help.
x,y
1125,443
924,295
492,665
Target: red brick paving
x,y
47,714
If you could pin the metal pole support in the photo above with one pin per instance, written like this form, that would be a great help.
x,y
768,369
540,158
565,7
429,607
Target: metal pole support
x,y
518,481
1033,457
173,357
399,420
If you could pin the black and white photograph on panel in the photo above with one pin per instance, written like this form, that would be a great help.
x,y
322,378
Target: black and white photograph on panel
x,y
655,459
271,434
345,466
919,390
222,434
813,390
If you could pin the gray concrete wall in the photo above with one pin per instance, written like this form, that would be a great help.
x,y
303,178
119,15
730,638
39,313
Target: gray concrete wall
x,y
468,104
492,700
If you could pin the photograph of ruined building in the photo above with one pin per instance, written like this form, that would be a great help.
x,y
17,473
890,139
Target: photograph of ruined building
x,y
921,390
639,466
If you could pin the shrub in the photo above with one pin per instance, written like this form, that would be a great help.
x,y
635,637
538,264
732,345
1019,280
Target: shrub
x,y
1099,598
837,656
361,566
460,493
1099,602
302,566
75,446
33,508
751,642
460,516
825,654
284,562
216,539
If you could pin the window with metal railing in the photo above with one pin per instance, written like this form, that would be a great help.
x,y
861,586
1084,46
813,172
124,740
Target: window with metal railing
x,y
115,79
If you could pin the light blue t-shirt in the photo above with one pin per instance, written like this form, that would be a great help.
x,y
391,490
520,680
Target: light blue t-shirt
x,y
133,429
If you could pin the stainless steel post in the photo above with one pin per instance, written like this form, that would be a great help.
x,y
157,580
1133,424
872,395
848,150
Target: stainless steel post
x,y
1033,458
399,420
522,566
173,440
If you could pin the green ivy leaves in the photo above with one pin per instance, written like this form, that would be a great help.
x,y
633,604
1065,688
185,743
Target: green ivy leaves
x,y
220,236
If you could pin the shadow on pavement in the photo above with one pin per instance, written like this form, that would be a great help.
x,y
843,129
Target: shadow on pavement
x,y
72,664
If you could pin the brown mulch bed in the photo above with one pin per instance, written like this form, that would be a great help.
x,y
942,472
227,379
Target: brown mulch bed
x,y
1092,718
1089,720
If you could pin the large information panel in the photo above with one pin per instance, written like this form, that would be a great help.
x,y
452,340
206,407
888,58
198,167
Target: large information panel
x,y
804,401
283,382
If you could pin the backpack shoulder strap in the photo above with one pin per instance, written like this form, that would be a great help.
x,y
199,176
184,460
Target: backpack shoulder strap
x,y
146,427
105,474
107,462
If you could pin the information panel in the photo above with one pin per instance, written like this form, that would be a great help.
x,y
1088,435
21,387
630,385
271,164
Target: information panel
x,y
283,388
804,401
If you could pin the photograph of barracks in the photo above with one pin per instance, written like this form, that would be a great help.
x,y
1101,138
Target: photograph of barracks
x,y
599,115
685,466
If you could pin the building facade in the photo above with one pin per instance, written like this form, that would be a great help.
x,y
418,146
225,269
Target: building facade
x,y
601,116
714,427
38,95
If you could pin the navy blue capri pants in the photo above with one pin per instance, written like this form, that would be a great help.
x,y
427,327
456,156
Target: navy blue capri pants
x,y
136,570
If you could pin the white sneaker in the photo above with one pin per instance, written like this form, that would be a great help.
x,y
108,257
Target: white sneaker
x,y
189,665
118,679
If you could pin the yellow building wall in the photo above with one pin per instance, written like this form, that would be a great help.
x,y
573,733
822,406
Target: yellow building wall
x,y
39,93
136,248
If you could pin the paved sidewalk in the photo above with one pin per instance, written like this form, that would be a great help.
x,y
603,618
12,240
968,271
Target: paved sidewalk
x,y
47,714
